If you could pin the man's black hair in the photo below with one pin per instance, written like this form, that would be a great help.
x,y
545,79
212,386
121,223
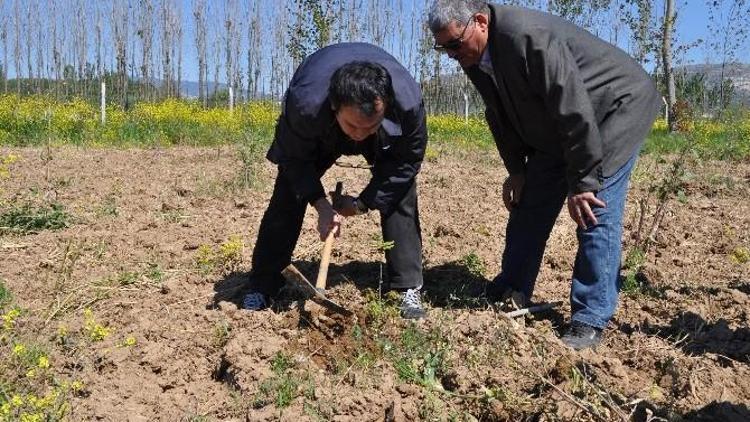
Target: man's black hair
x,y
359,84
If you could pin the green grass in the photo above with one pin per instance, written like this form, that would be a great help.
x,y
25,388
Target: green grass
x,y
26,218
36,120
284,386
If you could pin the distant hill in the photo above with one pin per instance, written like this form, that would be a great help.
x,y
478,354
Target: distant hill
x,y
738,73
190,88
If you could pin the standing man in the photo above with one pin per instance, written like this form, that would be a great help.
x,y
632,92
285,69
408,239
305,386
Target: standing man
x,y
346,99
568,113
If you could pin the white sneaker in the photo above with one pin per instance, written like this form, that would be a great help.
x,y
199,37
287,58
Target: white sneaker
x,y
254,301
411,305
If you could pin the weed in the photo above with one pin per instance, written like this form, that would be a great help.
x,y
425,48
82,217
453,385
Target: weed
x,y
633,263
230,253
420,356
380,245
27,219
154,273
251,156
5,295
127,278
432,154
129,341
108,207
652,207
280,389
29,388
204,258
94,331
379,311
5,163
740,255
172,216
431,408
228,257
474,264
222,330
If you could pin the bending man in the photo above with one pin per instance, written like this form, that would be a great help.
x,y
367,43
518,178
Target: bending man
x,y
346,99
568,113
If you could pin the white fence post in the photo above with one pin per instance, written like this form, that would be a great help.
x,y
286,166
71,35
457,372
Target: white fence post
x,y
231,99
104,102
466,107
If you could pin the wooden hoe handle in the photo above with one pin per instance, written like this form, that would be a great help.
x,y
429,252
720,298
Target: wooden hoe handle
x,y
325,259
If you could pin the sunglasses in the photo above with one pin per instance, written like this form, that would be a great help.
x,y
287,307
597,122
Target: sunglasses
x,y
456,43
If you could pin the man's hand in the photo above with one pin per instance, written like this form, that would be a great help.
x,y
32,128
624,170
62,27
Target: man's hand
x,y
512,189
328,218
345,206
579,207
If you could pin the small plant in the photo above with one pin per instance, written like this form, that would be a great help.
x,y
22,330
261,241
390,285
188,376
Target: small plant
x,y
228,257
380,245
108,207
94,331
205,258
230,253
633,263
420,356
740,255
5,163
5,295
474,264
280,389
127,278
222,329
379,311
9,319
129,341
251,156
27,219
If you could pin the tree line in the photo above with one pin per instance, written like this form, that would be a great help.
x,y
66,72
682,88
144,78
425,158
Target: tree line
x,y
143,49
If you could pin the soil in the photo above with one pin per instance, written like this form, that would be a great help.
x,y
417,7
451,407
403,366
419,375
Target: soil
x,y
679,349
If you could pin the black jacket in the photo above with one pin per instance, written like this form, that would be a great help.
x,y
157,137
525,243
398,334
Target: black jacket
x,y
308,139
563,91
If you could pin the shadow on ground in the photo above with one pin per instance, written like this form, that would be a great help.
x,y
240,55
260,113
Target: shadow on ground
x,y
697,336
714,411
450,285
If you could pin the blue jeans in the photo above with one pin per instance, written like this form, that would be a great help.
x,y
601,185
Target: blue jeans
x,y
595,288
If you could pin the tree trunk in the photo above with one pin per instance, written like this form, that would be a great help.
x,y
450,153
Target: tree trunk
x,y
4,38
17,44
666,52
199,14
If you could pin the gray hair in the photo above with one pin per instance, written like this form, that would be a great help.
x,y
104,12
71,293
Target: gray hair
x,y
443,12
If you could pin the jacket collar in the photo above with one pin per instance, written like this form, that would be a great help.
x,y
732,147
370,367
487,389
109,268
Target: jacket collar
x,y
391,126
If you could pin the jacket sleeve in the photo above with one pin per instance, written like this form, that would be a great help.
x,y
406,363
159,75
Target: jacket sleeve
x,y
395,168
554,75
296,148
508,146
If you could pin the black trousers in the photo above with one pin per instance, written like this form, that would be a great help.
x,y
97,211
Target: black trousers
x,y
282,222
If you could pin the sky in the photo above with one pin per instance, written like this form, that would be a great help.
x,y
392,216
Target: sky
x,y
692,25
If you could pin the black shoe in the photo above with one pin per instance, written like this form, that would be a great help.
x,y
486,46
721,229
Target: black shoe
x,y
496,292
582,336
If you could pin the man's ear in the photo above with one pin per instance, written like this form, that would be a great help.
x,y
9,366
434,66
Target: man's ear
x,y
482,20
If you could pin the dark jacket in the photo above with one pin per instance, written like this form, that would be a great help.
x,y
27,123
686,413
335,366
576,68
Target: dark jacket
x,y
308,138
565,92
